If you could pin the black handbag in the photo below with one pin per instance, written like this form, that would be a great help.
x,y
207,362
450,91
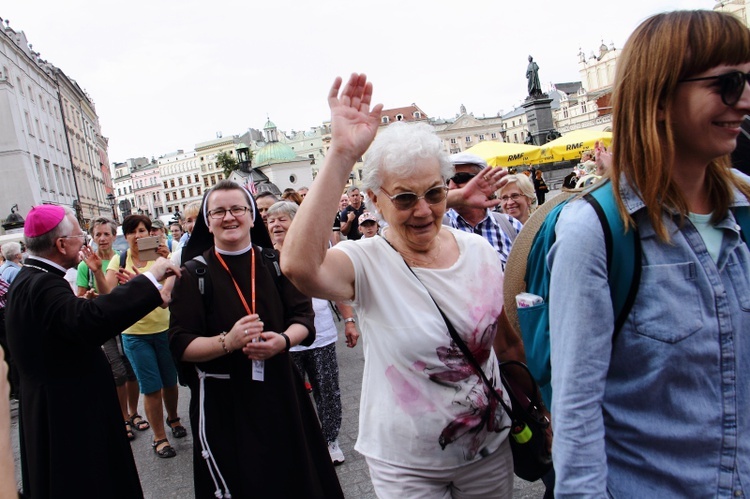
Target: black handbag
x,y
531,461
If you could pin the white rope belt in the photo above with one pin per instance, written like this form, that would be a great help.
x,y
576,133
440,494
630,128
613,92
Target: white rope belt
x,y
213,468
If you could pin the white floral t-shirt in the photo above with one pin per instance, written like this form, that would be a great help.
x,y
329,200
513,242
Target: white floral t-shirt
x,y
422,405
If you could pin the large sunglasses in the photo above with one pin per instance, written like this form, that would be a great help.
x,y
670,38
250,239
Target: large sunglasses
x,y
407,200
462,177
730,85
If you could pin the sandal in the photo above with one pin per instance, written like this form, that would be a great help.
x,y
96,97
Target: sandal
x,y
141,424
178,431
166,452
129,431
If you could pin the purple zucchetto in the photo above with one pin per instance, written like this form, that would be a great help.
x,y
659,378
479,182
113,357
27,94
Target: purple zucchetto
x,y
42,219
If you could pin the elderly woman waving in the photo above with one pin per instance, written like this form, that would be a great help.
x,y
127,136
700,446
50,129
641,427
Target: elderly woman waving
x,y
428,425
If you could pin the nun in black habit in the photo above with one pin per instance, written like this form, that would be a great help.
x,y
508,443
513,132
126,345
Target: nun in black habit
x,y
233,319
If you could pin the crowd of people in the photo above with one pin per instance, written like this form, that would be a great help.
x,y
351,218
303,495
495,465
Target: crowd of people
x,y
239,301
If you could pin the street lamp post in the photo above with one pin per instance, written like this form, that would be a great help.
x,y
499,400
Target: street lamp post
x,y
111,201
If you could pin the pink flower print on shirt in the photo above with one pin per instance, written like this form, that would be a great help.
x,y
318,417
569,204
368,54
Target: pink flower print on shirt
x,y
409,398
481,407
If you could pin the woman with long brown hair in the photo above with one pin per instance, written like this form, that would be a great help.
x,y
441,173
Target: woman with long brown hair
x,y
659,408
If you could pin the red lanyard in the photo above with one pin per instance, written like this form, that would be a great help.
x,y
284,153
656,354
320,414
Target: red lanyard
x,y
237,286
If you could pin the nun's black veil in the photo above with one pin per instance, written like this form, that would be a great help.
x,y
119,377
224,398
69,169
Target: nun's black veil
x,y
201,239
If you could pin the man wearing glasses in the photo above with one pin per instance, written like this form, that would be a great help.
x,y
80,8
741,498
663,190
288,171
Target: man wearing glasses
x,y
55,338
497,228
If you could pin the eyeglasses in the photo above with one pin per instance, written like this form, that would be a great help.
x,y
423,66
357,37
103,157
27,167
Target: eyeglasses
x,y
511,197
729,85
220,213
407,200
84,236
462,177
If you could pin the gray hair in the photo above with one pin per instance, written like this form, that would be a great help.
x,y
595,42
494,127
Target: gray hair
x,y
524,185
45,244
283,208
396,149
11,250
104,221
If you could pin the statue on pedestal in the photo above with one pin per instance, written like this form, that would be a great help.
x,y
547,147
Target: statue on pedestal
x,y
532,74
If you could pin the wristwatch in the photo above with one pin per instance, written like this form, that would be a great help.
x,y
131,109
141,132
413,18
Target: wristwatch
x,y
350,319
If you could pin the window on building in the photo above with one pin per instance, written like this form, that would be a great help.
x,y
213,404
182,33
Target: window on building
x,y
182,193
190,191
417,114
468,138
179,181
165,184
385,119
198,190
31,94
18,84
205,181
57,178
213,179
493,135
28,123
583,106
48,173
399,117
195,177
39,176
171,182
453,141
481,136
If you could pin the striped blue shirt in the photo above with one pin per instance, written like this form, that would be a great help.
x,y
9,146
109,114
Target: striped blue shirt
x,y
490,229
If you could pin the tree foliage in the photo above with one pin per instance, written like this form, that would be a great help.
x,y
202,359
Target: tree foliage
x,y
227,162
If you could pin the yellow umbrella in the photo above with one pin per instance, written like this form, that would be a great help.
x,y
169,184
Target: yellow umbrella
x,y
571,145
505,153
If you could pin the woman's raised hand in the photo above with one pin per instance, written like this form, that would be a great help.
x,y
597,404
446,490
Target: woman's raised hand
x,y
353,124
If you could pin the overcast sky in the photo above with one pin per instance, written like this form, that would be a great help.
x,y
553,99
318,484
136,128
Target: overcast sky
x,y
167,74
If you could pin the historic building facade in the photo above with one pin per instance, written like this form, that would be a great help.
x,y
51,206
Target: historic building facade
x,y
81,132
147,190
51,147
35,165
180,176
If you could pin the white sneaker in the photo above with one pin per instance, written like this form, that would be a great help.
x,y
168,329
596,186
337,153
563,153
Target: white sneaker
x,y
337,457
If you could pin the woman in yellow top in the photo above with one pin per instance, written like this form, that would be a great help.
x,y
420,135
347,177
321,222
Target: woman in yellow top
x,y
146,344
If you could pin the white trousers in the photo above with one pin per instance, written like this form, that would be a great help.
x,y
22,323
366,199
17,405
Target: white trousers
x,y
489,477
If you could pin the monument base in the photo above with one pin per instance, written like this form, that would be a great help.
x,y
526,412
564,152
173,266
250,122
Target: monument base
x,y
539,118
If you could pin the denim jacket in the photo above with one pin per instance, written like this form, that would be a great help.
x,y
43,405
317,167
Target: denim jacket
x,y
663,410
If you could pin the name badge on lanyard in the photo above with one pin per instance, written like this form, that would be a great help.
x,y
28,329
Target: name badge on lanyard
x,y
258,365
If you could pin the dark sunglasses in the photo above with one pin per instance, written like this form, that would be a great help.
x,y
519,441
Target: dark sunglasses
x,y
462,177
730,85
407,200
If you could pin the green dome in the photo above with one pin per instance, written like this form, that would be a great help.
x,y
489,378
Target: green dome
x,y
275,152
269,124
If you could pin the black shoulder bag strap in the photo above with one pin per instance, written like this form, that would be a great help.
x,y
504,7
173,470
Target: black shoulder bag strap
x,y
458,341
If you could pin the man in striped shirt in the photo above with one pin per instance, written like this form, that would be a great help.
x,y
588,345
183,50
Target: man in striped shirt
x,y
498,229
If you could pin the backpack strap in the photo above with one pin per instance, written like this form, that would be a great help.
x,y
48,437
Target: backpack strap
x,y
505,224
623,252
742,216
